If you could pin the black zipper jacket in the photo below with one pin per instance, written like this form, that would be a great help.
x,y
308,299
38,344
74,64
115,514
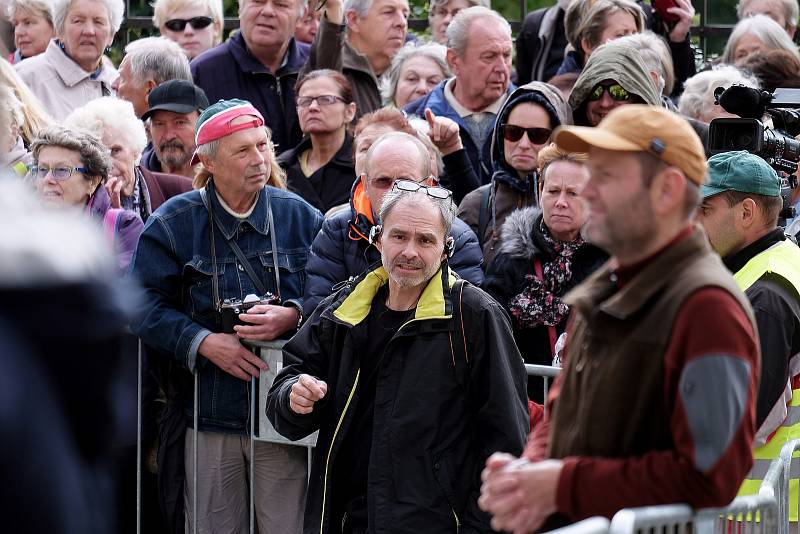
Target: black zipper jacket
x,y
436,420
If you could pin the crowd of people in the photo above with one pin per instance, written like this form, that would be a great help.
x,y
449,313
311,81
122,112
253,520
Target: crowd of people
x,y
417,217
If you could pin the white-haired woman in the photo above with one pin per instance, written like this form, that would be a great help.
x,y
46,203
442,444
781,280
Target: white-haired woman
x,y
196,25
697,100
415,71
71,71
69,169
131,187
33,27
755,34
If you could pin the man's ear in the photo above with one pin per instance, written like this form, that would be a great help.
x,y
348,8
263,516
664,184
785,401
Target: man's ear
x,y
453,61
207,162
668,189
353,21
748,213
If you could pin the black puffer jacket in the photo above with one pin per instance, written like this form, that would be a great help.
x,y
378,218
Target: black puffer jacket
x,y
522,243
436,418
341,250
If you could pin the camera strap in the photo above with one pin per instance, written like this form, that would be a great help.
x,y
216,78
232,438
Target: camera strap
x,y
237,251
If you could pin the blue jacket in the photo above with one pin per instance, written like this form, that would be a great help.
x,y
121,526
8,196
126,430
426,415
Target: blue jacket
x,y
342,250
481,159
231,71
174,266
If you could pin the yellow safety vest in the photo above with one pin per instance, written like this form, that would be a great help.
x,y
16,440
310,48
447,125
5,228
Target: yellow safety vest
x,y
782,259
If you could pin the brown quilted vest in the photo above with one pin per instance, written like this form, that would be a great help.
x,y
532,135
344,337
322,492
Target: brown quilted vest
x,y
612,401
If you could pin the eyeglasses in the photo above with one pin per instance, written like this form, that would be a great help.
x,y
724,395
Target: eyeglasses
x,y
198,23
536,136
59,173
432,190
322,100
615,91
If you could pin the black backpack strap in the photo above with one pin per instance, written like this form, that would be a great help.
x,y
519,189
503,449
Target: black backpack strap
x,y
458,339
483,214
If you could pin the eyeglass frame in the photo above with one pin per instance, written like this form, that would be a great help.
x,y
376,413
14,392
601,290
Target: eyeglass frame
x,y
441,12
205,23
311,99
607,89
35,171
413,187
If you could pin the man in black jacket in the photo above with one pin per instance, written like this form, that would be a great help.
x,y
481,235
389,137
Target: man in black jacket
x,y
740,209
407,407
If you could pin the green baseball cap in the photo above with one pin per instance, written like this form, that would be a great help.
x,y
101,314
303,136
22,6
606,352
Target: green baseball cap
x,y
743,172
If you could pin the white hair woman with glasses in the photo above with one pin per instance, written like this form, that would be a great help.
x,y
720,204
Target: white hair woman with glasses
x,y
69,169
196,25
320,169
542,256
72,70
758,33
130,186
33,27
415,71
697,100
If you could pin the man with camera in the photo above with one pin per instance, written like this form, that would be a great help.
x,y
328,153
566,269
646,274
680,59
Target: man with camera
x,y
656,402
220,265
407,404
740,209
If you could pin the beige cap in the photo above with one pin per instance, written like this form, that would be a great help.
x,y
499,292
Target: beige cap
x,y
640,128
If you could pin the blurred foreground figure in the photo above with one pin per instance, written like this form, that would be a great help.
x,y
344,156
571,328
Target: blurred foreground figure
x,y
656,403
60,329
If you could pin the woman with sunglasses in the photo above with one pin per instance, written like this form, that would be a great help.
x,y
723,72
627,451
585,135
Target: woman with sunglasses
x,y
320,169
541,257
196,25
523,126
69,170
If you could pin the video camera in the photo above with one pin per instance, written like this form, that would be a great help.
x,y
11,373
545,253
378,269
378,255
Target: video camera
x,y
777,145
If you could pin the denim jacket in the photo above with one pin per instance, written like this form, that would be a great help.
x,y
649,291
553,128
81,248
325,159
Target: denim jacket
x,y
173,263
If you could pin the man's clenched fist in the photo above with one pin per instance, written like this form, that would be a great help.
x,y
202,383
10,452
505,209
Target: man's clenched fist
x,y
305,392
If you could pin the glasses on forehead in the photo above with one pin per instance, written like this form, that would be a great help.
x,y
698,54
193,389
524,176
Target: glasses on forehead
x,y
615,91
322,100
59,174
537,136
432,190
198,23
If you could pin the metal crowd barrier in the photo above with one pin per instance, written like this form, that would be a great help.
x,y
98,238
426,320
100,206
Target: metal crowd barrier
x,y
547,373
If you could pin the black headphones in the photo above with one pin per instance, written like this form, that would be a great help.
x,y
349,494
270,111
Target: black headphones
x,y
449,243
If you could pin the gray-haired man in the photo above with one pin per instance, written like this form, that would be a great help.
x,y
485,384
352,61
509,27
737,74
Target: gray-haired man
x,y
406,406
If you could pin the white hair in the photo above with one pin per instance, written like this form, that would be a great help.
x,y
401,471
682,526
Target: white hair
x,y
656,56
158,58
790,11
11,107
698,91
457,32
765,30
43,6
433,51
115,9
98,114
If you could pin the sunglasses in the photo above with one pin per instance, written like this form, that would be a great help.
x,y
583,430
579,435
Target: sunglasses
x,y
59,173
322,100
615,91
432,190
198,23
537,136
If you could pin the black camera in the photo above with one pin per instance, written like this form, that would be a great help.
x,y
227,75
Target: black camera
x,y
777,145
230,309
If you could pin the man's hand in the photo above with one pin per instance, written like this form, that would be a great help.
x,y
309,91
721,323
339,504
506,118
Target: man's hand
x,y
268,322
685,11
443,133
520,495
334,11
114,186
226,352
305,393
